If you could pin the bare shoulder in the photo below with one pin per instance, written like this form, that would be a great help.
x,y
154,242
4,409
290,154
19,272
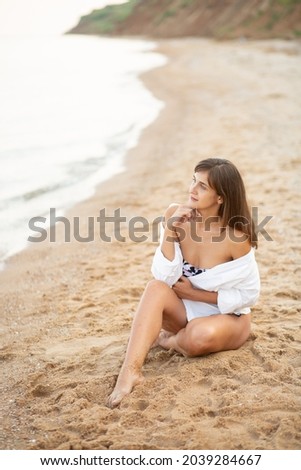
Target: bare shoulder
x,y
170,211
239,243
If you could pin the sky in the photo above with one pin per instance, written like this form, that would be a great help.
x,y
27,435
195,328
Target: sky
x,y
44,17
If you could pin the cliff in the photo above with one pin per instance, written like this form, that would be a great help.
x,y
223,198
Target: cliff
x,y
222,19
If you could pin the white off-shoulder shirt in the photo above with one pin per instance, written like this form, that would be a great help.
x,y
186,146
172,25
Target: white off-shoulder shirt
x,y
236,282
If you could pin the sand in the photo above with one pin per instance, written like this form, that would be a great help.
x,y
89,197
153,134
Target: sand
x,y
66,308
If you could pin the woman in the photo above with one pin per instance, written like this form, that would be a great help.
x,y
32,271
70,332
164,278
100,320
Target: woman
x,y
206,276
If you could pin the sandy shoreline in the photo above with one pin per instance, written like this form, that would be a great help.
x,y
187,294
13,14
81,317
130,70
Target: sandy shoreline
x,y
67,308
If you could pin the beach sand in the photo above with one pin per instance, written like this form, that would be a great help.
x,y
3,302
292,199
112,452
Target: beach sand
x,y
66,308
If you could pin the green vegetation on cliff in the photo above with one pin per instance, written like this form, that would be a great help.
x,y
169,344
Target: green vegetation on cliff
x,y
207,18
106,20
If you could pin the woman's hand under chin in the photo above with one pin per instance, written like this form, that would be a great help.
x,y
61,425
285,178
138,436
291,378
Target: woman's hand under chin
x,y
182,214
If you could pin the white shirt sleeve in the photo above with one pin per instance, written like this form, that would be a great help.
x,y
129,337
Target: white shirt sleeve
x,y
164,269
235,300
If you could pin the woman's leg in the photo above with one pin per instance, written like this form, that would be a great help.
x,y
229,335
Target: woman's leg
x,y
209,334
157,300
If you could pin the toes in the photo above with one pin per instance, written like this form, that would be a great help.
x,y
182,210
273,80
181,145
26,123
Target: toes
x,y
121,391
165,342
114,401
164,335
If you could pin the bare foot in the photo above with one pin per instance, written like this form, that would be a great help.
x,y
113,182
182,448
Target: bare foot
x,y
157,341
166,339
125,383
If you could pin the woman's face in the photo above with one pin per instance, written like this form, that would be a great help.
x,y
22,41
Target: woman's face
x,y
201,196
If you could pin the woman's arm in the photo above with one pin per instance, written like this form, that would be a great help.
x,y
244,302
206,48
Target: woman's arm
x,y
168,259
170,235
185,290
174,217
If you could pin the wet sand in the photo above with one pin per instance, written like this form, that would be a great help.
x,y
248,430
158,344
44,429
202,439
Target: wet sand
x,y
66,308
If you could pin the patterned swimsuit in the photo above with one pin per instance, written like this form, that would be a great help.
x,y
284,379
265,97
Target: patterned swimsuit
x,y
190,270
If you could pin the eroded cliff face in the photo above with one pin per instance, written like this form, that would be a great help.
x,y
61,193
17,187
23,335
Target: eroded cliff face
x,y
208,18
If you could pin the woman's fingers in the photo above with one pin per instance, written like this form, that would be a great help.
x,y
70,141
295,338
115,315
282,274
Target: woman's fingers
x,y
181,215
182,286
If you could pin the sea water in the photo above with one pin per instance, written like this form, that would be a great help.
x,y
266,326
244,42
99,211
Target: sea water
x,y
70,108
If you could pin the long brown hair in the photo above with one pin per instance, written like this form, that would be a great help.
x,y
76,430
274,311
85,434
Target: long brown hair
x,y
225,179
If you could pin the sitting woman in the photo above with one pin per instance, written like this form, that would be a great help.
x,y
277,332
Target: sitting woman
x,y
206,275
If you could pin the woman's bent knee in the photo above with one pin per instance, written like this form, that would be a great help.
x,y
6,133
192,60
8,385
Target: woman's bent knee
x,y
157,291
209,339
157,286
198,343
